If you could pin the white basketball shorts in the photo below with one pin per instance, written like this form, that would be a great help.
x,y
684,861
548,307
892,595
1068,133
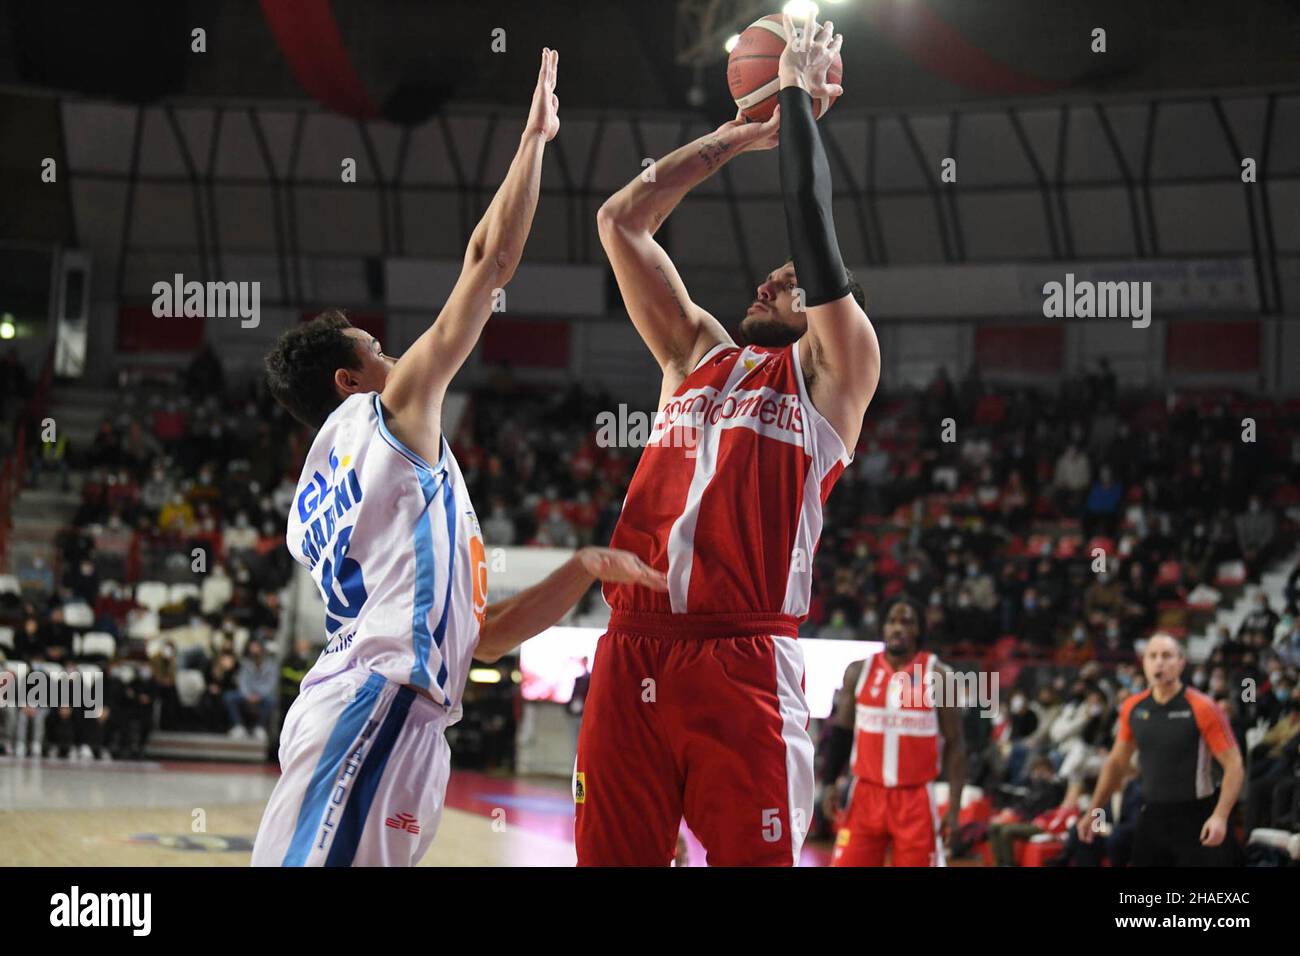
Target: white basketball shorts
x,y
364,766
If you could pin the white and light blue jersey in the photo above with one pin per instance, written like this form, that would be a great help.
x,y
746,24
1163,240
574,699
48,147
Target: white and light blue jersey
x,y
395,549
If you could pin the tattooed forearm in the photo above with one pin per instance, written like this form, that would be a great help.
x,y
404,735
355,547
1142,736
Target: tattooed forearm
x,y
681,309
713,151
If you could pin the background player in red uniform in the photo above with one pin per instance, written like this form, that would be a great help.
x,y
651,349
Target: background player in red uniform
x,y
696,703
890,733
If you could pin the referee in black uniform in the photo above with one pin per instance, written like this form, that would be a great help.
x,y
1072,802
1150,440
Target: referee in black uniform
x,y
1177,729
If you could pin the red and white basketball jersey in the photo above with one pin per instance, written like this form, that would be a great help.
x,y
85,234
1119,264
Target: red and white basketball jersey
x,y
896,729
727,498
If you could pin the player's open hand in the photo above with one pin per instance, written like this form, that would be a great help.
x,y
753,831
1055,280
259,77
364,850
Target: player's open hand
x,y
1085,828
621,567
831,802
544,115
753,136
948,828
809,52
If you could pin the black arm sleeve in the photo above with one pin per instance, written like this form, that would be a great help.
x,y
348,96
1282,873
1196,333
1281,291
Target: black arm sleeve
x,y
838,748
806,186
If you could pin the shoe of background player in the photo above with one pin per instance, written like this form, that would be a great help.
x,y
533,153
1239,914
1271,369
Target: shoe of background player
x,y
86,753
260,733
238,732
20,750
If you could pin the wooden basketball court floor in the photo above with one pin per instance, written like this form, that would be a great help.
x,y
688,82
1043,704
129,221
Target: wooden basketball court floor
x,y
61,813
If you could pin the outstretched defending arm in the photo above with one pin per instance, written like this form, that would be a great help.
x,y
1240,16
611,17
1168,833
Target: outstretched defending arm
x,y
676,330
416,385
509,623
839,354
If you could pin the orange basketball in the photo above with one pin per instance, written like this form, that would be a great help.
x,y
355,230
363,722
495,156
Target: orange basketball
x,y
751,70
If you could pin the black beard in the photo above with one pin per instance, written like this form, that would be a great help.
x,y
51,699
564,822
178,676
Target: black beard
x,y
768,333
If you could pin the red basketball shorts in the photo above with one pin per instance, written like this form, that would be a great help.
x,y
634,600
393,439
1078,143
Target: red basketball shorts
x,y
709,724
880,817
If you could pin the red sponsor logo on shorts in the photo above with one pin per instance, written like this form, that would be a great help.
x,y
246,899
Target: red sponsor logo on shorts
x,y
403,821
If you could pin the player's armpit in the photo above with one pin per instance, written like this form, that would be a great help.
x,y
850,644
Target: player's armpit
x,y
841,358
676,330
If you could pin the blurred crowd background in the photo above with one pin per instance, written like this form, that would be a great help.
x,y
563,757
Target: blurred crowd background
x,y
1045,532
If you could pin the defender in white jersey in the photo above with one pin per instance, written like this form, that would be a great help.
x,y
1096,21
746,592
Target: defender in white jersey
x,y
383,521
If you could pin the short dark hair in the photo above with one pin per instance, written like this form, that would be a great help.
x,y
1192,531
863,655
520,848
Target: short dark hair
x,y
300,369
855,288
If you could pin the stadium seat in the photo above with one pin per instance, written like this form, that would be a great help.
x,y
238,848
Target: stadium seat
x,y
1170,572
151,594
179,593
142,625
215,592
1107,545
78,615
1004,647
189,687
1037,850
98,644
1067,547
1230,574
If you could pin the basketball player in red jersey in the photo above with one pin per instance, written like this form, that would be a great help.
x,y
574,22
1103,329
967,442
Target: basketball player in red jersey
x,y
889,729
696,704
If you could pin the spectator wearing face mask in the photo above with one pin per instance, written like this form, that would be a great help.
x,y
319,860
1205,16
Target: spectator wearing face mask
x,y
919,581
1036,623
1077,649
1256,529
254,692
836,628
979,584
1277,700
1286,644
1103,599
1071,478
1262,619
1066,730
1112,646
157,490
163,667
1270,791
177,515
1022,721
1102,507
240,538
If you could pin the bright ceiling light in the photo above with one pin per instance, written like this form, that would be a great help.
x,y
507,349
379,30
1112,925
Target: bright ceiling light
x,y
798,9
731,42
